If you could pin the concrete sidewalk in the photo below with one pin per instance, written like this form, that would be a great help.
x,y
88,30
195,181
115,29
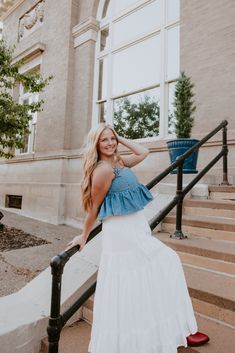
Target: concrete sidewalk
x,y
18,267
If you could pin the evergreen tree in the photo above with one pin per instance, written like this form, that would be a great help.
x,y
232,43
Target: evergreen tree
x,y
184,106
15,117
137,120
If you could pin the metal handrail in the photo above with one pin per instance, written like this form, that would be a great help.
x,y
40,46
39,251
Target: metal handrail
x,y
58,320
195,147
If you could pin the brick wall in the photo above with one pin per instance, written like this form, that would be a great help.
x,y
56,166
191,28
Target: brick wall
x,y
208,56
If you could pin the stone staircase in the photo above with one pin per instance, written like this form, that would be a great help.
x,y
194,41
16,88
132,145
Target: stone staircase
x,y
208,257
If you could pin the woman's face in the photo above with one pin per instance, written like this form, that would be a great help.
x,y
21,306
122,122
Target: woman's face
x,y
107,143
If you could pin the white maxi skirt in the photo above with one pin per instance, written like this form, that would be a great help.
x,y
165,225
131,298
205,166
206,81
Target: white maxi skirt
x,y
141,302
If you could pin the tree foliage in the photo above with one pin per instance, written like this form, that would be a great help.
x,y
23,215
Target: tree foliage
x,y
137,120
184,106
15,117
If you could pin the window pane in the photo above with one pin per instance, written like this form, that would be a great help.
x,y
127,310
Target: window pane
x,y
34,71
137,115
173,53
102,91
26,141
104,39
137,66
120,5
134,25
173,10
171,108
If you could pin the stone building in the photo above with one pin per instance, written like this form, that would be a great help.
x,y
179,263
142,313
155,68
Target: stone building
x,y
98,53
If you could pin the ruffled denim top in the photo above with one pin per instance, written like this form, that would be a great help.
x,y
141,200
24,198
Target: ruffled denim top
x,y
126,195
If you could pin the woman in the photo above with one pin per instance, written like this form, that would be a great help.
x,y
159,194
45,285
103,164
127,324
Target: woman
x,y
141,303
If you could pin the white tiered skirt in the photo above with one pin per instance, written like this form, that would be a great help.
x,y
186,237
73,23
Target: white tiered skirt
x,y
141,302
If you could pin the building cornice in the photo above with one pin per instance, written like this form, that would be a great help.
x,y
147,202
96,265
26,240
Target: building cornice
x,y
85,31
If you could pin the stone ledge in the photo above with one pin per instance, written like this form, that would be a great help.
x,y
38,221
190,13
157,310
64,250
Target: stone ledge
x,y
225,224
223,251
215,204
31,52
23,331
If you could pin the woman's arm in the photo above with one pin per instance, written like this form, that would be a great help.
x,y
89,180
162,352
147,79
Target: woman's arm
x,y
101,181
139,152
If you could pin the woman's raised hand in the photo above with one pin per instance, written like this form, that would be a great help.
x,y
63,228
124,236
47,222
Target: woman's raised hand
x,y
78,240
116,135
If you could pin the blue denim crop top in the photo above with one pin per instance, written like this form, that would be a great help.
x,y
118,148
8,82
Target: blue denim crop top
x,y
126,195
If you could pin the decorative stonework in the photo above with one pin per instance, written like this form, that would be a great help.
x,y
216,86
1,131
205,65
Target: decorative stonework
x,y
31,20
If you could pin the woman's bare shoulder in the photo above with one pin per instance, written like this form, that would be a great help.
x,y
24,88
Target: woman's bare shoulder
x,y
102,178
103,170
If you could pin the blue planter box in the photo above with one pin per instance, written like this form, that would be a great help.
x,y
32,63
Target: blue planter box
x,y
178,147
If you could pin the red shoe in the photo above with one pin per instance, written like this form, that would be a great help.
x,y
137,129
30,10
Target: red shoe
x,y
197,339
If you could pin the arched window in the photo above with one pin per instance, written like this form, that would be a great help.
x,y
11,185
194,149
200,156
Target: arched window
x,y
137,63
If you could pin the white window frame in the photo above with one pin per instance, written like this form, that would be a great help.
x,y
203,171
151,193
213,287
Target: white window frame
x,y
162,30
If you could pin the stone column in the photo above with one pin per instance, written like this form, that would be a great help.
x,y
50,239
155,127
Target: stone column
x,y
85,36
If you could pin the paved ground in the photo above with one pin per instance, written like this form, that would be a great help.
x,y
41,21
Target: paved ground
x,y
17,267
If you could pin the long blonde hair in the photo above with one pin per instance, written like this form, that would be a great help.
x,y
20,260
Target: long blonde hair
x,y
91,158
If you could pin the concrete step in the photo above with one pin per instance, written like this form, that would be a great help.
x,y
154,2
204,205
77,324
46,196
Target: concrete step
x,y
207,261
75,338
210,249
201,226
211,208
224,267
222,338
222,192
213,294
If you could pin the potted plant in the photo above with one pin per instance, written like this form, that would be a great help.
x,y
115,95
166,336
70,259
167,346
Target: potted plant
x,y
183,122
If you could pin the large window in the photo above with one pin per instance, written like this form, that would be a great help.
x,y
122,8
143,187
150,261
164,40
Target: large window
x,y
26,97
137,63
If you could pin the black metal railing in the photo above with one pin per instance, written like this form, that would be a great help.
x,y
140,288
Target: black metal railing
x,y
57,320
180,192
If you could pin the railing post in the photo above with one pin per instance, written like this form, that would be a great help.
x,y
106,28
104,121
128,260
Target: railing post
x,y
179,193
54,326
225,157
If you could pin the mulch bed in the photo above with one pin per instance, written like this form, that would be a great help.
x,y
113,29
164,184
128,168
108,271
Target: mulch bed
x,y
13,238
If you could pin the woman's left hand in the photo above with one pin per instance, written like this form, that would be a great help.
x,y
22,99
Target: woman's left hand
x,y
78,240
